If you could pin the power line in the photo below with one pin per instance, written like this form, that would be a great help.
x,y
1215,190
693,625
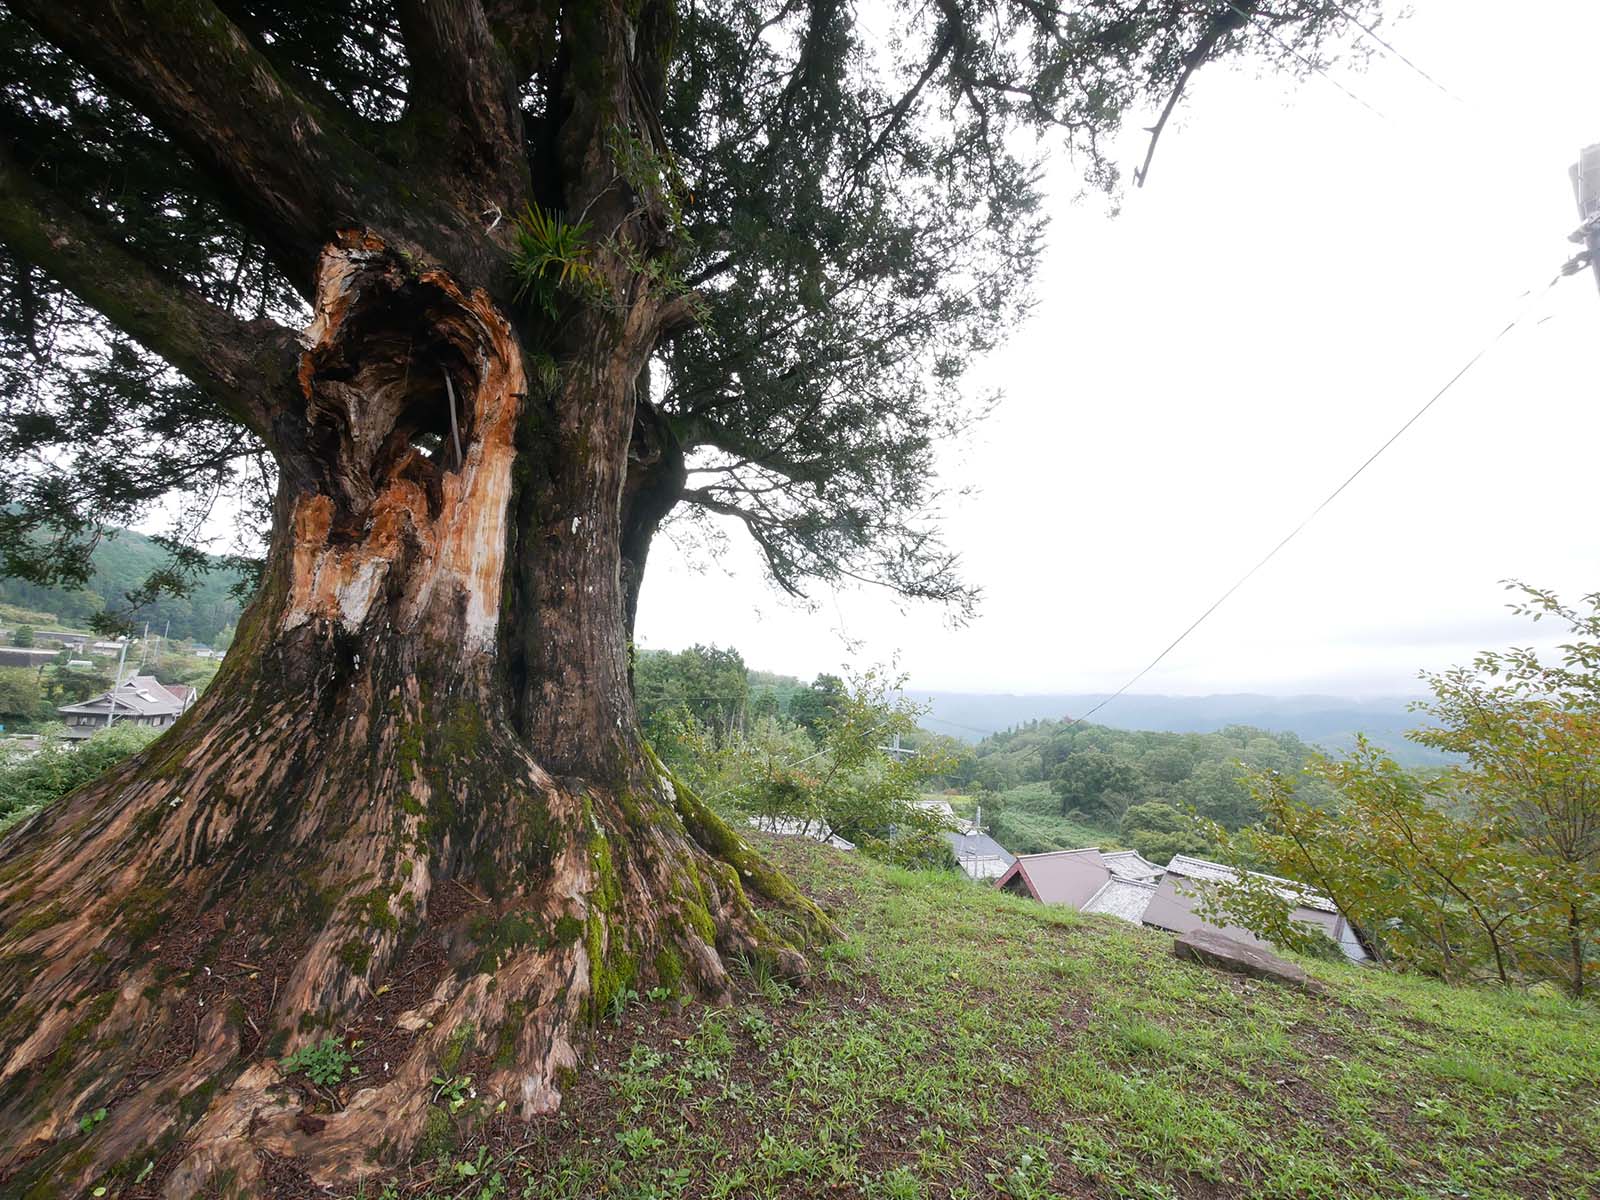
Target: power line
x,y
959,725
1312,63
1389,49
1531,299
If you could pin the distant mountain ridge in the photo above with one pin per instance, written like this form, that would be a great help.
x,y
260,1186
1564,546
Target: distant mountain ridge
x,y
1331,722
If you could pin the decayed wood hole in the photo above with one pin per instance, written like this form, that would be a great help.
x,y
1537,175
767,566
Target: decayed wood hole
x,y
369,386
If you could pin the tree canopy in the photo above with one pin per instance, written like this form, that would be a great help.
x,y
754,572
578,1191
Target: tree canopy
x,y
853,217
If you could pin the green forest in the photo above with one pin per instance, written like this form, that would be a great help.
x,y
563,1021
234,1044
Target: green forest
x,y
1045,785
124,562
1055,785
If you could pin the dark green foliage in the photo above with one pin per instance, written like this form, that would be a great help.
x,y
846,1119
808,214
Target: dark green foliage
x,y
707,683
811,706
30,783
22,699
862,229
1092,781
1157,830
22,636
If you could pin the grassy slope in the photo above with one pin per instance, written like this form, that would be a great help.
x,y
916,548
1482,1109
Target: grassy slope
x,y
961,1043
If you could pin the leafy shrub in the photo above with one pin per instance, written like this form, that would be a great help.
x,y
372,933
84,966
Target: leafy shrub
x,y
1158,831
918,850
28,784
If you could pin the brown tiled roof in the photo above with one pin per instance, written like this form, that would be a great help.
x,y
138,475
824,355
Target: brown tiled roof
x,y
1060,876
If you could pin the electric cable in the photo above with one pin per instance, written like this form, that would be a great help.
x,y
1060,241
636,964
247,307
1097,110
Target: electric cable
x,y
1529,299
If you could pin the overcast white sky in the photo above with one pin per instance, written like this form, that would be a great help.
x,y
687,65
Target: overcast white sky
x,y
1296,278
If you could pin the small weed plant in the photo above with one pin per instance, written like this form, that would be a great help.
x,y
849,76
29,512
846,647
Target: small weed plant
x,y
324,1063
455,1090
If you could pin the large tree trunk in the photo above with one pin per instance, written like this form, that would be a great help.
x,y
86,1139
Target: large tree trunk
x,y
414,810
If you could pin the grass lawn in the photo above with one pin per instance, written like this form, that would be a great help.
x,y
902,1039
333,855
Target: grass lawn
x,y
960,1043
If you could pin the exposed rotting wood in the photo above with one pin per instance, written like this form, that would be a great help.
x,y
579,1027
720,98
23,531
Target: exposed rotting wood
x,y
383,501
355,806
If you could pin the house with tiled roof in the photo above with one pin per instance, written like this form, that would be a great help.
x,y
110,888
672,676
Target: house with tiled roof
x,y
1123,884
1070,877
1172,907
141,700
979,855
1122,897
1130,864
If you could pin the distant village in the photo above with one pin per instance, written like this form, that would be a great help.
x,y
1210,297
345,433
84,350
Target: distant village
x,y
1117,883
137,697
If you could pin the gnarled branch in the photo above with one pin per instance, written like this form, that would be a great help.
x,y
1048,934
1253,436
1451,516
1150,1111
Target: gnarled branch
x,y
284,165
246,367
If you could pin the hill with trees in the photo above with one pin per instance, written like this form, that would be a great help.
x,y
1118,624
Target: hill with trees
x,y
122,563
1053,785
1331,722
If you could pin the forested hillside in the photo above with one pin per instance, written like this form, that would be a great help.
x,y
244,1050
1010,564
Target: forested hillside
x,y
1050,784
1045,785
1331,722
123,561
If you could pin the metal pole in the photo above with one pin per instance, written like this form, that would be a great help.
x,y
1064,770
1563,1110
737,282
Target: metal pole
x,y
1585,175
121,660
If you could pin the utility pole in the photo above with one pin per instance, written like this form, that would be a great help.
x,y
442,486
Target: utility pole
x,y
121,660
896,751
1585,175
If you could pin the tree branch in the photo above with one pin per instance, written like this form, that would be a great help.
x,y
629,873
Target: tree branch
x,y
287,168
245,367
459,73
697,429
1221,26
777,562
897,114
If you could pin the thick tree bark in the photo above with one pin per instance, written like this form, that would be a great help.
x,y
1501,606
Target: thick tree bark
x,y
414,809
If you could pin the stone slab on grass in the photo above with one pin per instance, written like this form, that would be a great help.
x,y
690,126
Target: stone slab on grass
x,y
1212,949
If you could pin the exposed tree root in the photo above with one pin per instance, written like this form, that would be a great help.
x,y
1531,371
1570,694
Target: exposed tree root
x,y
173,1012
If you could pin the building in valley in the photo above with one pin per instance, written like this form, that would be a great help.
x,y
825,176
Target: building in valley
x,y
1123,884
141,700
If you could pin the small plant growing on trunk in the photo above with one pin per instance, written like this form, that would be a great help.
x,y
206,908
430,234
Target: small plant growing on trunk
x,y
324,1063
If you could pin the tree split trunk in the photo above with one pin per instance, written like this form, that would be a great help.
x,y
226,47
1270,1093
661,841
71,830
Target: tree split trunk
x,y
413,811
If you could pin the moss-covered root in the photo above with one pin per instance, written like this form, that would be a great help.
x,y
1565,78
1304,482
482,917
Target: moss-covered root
x,y
751,870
